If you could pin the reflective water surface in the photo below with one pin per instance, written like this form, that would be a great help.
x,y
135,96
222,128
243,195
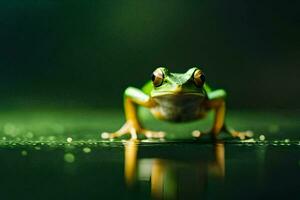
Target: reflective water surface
x,y
169,177
61,156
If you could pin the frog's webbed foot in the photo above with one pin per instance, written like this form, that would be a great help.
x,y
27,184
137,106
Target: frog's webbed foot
x,y
240,134
153,134
235,134
129,128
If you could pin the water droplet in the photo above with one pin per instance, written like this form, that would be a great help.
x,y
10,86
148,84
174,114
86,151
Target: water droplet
x,y
196,133
68,157
262,137
105,135
37,148
86,150
286,140
69,139
24,153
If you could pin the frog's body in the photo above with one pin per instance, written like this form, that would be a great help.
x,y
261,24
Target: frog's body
x,y
177,98
176,107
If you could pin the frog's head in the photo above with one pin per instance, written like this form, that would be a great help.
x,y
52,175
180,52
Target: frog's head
x,y
166,83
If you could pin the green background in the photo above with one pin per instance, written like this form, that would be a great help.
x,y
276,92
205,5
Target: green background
x,y
65,64
85,53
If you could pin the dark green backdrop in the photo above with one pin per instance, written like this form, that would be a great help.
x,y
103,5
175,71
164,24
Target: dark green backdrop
x,y
85,52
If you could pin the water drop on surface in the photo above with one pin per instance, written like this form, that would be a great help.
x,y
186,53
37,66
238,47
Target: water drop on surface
x,y
286,140
262,137
37,148
196,133
68,157
69,139
24,153
105,135
86,150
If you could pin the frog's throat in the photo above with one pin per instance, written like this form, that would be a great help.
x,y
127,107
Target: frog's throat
x,y
158,94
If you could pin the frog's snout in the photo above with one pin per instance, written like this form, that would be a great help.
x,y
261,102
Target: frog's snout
x,y
178,88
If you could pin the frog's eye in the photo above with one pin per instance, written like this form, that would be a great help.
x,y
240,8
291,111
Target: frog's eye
x,y
199,78
157,77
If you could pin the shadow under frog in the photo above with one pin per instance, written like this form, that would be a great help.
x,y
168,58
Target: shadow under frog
x,y
170,176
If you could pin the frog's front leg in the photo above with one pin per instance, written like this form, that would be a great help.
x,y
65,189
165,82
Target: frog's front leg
x,y
216,102
132,98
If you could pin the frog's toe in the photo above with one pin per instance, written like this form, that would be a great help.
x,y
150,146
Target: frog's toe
x,y
106,135
122,131
242,135
127,128
153,134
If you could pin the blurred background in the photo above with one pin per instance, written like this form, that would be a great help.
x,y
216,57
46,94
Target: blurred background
x,y
64,65
84,53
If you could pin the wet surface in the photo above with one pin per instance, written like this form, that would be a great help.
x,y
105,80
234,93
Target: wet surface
x,y
59,155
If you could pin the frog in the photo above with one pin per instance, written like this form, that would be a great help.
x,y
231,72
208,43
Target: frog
x,y
178,98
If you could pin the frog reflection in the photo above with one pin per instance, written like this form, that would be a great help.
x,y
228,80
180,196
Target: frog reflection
x,y
171,178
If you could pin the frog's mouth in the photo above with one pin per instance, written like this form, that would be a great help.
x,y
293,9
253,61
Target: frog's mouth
x,y
178,94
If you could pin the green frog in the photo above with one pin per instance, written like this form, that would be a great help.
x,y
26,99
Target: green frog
x,y
175,97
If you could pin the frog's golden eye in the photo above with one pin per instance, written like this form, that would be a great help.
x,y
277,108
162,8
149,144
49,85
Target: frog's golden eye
x,y
157,77
199,78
